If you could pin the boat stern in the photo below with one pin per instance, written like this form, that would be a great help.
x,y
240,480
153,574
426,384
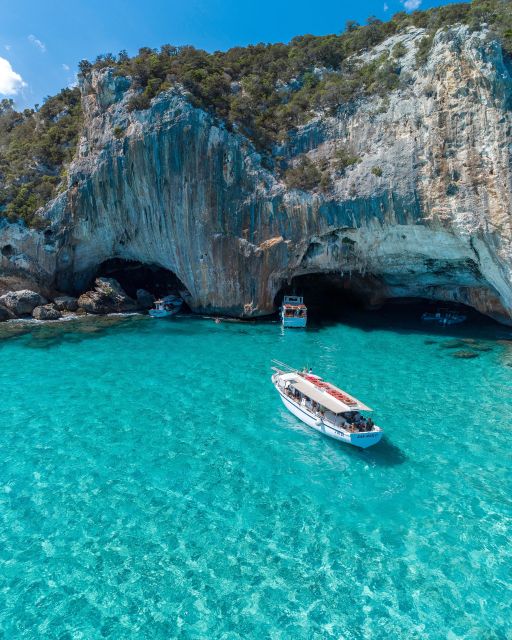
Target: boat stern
x,y
365,439
295,322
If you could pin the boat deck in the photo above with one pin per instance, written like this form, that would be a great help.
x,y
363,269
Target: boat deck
x,y
325,393
336,420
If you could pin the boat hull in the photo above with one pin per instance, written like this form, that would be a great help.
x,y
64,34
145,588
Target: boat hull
x,y
162,313
361,440
296,323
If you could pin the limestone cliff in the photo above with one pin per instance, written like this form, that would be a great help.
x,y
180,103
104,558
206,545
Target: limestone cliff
x,y
426,212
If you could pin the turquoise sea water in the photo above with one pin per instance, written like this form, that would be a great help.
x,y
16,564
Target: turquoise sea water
x,y
152,485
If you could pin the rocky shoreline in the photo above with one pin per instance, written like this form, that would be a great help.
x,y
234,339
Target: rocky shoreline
x,y
106,297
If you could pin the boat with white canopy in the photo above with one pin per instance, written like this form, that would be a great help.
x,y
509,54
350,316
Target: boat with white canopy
x,y
324,407
168,306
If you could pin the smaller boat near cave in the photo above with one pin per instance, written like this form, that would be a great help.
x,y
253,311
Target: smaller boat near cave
x,y
294,312
324,407
166,307
444,317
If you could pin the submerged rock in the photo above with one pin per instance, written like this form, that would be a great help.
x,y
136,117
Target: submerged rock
x,y
452,344
46,312
477,346
66,303
22,303
466,355
108,297
145,300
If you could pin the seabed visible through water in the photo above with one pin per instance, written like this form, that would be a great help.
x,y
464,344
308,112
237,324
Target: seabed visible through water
x,y
153,486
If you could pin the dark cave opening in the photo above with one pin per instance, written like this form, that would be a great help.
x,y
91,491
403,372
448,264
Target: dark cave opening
x,y
361,299
327,295
133,275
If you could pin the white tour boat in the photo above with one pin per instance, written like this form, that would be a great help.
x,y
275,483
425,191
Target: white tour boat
x,y
294,312
168,306
324,407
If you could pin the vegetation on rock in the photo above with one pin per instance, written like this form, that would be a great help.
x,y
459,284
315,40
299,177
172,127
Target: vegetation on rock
x,y
263,91
344,159
304,175
35,146
267,90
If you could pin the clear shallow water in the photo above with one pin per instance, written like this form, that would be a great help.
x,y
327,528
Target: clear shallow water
x,y
153,486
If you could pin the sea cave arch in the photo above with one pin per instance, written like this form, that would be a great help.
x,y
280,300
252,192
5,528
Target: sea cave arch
x,y
133,275
330,295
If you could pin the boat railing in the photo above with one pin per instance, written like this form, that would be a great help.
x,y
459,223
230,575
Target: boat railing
x,y
282,366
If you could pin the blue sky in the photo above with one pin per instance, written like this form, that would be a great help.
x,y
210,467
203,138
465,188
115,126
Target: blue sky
x,y
41,41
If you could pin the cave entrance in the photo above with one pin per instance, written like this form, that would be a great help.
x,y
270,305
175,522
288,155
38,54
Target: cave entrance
x,y
133,275
353,299
327,295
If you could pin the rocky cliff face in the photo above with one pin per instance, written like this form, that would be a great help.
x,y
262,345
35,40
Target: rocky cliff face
x,y
426,212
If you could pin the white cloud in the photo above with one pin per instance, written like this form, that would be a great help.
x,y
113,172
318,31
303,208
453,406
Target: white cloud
x,y
411,5
66,67
385,7
37,43
10,81
7,47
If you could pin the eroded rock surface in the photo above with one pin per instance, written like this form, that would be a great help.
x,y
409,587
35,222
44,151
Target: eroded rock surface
x,y
5,314
426,212
107,297
21,303
46,312
66,303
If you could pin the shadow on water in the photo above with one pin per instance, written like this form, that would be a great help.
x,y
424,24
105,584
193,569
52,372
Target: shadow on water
x,y
405,318
383,454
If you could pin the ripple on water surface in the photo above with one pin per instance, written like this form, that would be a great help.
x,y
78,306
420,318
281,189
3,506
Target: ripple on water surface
x,y
153,486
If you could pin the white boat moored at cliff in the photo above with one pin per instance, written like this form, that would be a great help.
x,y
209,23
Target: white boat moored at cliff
x,y
324,407
294,312
168,306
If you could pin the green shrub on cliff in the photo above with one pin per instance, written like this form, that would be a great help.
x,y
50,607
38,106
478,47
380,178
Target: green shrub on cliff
x,y
35,146
344,159
304,175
